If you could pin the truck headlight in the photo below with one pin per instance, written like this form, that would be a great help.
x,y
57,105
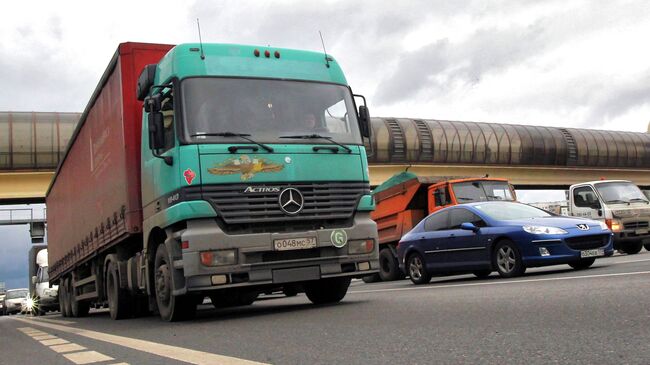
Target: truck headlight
x,y
543,230
614,224
360,247
219,258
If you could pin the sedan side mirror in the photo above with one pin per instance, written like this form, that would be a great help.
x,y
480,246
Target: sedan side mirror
x,y
469,227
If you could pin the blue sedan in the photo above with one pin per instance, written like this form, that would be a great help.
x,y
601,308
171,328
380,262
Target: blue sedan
x,y
507,237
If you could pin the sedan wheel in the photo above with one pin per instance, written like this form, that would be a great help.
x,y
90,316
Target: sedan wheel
x,y
417,270
507,260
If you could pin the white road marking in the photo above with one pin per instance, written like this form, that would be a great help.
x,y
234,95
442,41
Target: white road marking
x,y
68,347
168,351
56,341
57,321
87,357
43,337
497,282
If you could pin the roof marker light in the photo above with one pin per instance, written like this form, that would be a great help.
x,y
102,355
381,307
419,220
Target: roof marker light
x,y
277,54
267,54
256,52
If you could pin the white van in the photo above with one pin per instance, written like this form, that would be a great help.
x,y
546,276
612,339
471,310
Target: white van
x,y
621,205
46,297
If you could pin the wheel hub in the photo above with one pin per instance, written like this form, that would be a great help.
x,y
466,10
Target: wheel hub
x,y
162,283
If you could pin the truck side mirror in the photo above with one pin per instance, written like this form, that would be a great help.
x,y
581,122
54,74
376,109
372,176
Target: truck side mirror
x,y
156,131
145,81
364,121
33,279
595,205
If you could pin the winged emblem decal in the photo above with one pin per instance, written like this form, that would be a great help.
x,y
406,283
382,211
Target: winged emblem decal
x,y
246,166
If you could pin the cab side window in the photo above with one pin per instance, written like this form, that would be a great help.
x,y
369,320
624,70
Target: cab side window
x,y
437,222
441,196
462,215
584,197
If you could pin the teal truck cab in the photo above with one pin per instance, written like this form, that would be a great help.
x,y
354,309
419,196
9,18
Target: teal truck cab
x,y
254,171
247,175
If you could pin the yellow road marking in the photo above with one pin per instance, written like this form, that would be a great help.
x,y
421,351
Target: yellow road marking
x,y
168,351
87,357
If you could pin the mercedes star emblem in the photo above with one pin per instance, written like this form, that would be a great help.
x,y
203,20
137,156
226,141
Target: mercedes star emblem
x,y
291,201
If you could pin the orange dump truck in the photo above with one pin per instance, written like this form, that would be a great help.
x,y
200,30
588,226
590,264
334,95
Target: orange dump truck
x,y
405,199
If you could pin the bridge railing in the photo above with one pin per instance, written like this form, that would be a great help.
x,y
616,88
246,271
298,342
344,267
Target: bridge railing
x,y
22,215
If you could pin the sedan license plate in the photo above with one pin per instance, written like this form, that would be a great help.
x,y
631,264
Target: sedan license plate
x,y
302,243
592,253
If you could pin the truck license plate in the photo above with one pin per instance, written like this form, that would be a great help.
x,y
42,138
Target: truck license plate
x,y
592,253
302,243
639,232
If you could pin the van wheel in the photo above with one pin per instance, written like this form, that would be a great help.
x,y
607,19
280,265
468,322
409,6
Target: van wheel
x,y
119,300
171,307
583,263
507,260
388,266
326,291
632,248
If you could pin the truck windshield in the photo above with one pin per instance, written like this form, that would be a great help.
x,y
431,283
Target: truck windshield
x,y
511,211
477,191
268,110
620,192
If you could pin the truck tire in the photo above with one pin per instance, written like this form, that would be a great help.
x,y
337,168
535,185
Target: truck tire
x,y
67,309
632,248
119,300
327,291
171,307
61,294
388,266
77,308
647,246
371,278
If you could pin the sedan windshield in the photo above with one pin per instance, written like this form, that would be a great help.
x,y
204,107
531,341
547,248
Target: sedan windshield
x,y
511,211
620,192
267,110
16,294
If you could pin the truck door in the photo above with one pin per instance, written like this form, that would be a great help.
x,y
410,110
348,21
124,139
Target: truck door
x,y
465,248
585,203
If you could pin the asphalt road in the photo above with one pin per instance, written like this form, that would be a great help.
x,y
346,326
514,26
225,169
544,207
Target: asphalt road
x,y
550,315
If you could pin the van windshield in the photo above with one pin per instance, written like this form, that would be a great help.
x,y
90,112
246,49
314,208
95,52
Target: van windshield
x,y
267,110
16,294
620,192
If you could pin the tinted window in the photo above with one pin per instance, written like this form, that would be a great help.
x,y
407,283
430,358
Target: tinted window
x,y
436,222
584,197
441,197
460,216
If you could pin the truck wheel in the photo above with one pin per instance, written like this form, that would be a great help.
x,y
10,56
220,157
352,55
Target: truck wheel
x,y
417,269
119,300
583,263
371,278
327,290
632,248
507,260
62,298
67,309
388,266
77,308
171,307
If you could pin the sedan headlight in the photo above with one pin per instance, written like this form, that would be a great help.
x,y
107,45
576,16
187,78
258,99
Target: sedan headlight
x,y
544,230
603,225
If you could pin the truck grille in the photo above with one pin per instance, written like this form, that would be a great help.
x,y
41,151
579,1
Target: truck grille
x,y
587,242
322,201
635,225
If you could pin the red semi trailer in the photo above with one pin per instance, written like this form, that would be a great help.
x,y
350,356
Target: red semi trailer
x,y
94,199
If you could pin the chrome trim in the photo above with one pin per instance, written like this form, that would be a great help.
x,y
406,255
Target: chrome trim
x,y
549,240
457,249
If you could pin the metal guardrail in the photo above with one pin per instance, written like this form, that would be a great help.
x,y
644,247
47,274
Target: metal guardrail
x,y
22,215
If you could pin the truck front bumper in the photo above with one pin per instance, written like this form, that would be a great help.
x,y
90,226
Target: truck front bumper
x,y
259,264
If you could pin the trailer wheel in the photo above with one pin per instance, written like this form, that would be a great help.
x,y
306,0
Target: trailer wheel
x,y
326,291
388,266
62,296
67,309
171,307
119,300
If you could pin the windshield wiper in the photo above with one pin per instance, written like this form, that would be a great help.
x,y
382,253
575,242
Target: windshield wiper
x,y
231,134
318,136
639,200
617,201
463,198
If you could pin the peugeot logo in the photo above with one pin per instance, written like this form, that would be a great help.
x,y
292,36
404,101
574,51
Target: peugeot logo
x,y
291,201
583,227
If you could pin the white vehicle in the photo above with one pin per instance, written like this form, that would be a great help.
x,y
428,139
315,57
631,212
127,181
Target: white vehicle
x,y
46,298
621,205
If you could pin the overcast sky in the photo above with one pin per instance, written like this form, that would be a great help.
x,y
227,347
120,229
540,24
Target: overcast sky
x,y
551,63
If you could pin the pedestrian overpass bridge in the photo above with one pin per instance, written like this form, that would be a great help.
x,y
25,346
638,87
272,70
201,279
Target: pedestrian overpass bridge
x,y
531,157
